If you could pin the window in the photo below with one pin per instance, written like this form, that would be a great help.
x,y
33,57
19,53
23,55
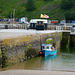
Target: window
x,y
47,47
43,47
40,23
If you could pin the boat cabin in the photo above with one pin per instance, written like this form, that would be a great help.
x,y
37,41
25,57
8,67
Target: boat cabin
x,y
38,24
47,47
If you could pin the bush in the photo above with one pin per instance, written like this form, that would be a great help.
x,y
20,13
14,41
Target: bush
x,y
3,59
30,52
50,41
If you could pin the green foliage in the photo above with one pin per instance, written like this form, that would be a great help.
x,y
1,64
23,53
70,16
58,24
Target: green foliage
x,y
50,41
0,52
3,58
49,7
30,52
0,57
30,5
66,4
48,0
0,10
69,16
65,42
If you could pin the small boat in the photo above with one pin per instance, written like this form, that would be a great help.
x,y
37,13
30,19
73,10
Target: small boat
x,y
48,50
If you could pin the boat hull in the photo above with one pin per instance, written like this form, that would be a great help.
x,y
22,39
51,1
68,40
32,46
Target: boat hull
x,y
49,53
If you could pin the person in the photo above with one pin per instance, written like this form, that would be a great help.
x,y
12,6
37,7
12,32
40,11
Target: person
x,y
52,48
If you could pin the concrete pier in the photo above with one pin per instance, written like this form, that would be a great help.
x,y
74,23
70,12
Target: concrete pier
x,y
12,33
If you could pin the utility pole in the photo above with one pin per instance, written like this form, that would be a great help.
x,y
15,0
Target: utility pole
x,y
13,15
11,18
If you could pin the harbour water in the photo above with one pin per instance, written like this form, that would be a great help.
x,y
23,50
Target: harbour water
x,y
63,61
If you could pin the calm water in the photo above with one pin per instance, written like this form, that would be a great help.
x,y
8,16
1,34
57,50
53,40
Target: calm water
x,y
63,61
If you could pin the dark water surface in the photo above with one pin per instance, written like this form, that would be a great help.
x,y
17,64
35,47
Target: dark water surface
x,y
63,61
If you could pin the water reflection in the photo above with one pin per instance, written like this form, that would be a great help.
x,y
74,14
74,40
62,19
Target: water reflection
x,y
63,61
48,60
50,57
70,50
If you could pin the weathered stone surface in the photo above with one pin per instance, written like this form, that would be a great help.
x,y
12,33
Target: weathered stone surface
x,y
15,47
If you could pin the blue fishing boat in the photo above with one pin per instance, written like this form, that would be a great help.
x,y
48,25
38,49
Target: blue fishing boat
x,y
48,50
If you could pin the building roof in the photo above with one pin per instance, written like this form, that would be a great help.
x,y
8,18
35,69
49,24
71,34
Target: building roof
x,y
35,20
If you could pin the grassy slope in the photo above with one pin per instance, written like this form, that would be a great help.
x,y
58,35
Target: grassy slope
x,y
51,8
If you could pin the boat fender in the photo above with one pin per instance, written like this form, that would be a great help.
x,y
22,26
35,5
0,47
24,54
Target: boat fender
x,y
52,48
40,53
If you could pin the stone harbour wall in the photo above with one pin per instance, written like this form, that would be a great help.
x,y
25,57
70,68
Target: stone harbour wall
x,y
15,47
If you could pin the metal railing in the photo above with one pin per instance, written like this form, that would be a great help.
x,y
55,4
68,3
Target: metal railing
x,y
68,26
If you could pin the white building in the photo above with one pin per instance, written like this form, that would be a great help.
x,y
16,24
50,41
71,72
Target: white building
x,y
24,20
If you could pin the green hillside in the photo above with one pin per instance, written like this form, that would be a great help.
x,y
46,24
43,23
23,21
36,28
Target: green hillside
x,y
50,7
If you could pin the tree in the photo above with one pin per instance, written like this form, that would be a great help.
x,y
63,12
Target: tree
x,y
30,5
66,4
0,10
69,16
48,0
